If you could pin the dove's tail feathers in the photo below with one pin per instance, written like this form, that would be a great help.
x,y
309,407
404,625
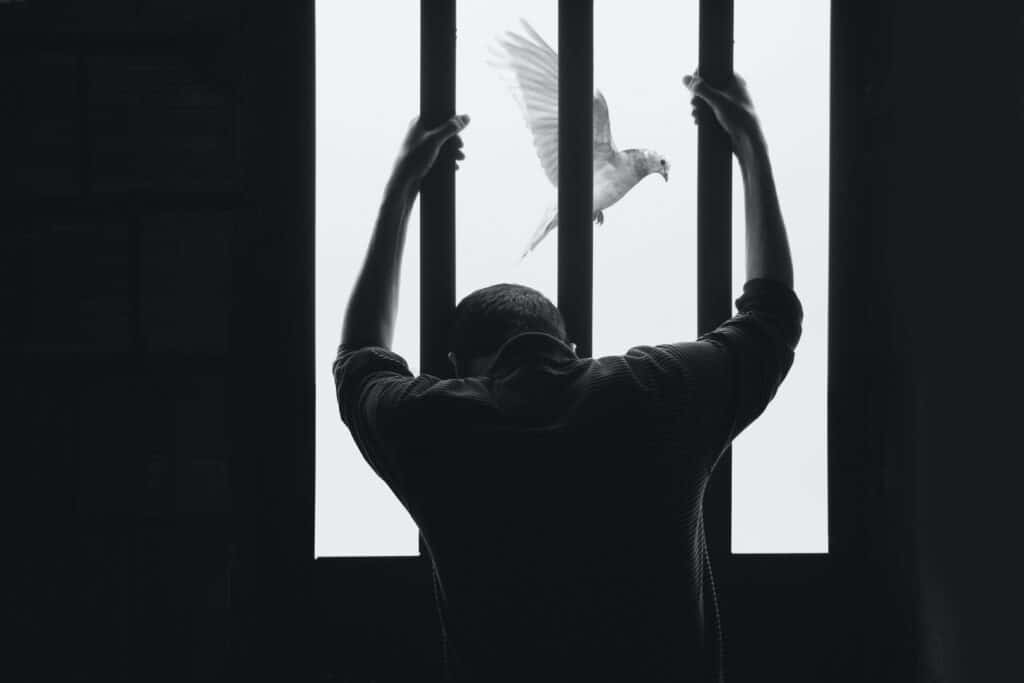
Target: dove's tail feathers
x,y
549,223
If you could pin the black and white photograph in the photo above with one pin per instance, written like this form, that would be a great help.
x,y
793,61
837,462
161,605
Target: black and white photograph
x,y
469,341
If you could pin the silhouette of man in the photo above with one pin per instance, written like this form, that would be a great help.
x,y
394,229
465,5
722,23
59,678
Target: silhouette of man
x,y
559,497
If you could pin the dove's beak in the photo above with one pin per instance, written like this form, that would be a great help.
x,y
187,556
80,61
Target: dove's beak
x,y
664,174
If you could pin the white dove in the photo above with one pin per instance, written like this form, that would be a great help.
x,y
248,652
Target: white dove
x,y
531,69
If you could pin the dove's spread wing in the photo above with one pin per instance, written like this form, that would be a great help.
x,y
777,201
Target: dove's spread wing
x,y
533,69
604,148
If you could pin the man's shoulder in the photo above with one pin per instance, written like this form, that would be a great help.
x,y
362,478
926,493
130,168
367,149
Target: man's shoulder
x,y
369,357
647,375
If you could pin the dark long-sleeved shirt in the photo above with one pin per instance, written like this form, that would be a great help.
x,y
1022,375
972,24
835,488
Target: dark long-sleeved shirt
x,y
560,498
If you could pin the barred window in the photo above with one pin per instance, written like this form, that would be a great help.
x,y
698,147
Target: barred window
x,y
677,246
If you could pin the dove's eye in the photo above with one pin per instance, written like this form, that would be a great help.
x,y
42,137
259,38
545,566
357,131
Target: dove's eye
x,y
662,162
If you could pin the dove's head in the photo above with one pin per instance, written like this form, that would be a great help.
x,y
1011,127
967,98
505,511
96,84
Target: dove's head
x,y
657,164
652,162
487,318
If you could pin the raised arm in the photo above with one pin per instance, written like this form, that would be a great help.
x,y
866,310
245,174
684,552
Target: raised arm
x,y
373,305
767,246
728,376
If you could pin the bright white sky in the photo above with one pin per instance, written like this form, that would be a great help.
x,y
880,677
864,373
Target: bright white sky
x,y
367,92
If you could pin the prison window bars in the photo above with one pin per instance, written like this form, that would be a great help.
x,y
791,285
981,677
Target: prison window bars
x,y
575,194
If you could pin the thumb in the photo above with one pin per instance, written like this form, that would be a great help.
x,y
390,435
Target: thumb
x,y
449,128
699,87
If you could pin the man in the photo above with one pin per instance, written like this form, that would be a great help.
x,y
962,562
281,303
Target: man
x,y
560,498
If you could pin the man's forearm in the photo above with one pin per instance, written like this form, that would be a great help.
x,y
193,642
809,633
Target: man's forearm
x,y
373,305
768,253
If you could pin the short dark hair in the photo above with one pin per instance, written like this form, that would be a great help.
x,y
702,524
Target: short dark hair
x,y
488,317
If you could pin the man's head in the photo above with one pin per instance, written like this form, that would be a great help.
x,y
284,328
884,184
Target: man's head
x,y
487,318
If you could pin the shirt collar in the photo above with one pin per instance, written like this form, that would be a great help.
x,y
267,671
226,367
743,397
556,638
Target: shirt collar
x,y
531,348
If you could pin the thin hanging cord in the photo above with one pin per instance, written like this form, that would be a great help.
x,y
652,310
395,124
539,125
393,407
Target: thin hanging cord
x,y
446,659
719,652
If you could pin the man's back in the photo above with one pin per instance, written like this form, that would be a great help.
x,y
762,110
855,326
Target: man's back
x,y
560,498
558,539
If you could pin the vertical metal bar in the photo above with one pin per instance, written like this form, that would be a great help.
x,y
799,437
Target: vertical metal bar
x,y
714,236
714,285
714,176
437,192
576,170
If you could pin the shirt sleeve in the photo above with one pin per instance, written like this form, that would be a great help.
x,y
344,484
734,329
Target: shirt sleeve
x,y
730,374
373,385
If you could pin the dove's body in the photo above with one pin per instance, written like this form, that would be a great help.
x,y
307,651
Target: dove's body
x,y
533,66
612,180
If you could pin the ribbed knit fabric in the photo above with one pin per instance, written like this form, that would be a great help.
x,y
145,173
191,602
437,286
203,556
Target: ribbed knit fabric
x,y
560,498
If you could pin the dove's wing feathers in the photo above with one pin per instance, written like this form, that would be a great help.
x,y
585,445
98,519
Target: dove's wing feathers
x,y
533,68
530,66
604,147
540,41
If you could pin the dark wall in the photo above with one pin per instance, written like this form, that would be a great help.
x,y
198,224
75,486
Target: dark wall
x,y
138,214
935,117
953,134
156,258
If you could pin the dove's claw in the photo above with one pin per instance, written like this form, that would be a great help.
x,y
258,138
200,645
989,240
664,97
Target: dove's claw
x,y
599,217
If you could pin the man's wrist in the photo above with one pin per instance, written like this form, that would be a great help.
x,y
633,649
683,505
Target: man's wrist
x,y
401,187
751,150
